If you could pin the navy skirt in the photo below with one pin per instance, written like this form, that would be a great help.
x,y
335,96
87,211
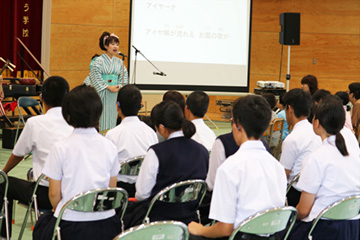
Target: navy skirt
x,y
100,229
327,230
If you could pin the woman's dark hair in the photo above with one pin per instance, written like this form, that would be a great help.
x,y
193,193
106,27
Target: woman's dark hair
x,y
354,88
82,107
331,116
170,115
108,39
344,96
311,81
176,97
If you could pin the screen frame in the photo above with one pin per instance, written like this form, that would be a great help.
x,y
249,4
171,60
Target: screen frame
x,y
192,87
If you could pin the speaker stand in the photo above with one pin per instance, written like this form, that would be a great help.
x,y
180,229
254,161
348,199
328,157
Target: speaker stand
x,y
288,70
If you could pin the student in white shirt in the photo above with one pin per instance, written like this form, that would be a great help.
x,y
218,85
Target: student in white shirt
x,y
131,137
196,106
38,136
82,162
302,139
249,181
328,174
179,158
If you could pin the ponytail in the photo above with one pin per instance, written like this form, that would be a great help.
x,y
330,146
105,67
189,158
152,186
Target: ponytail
x,y
188,128
340,144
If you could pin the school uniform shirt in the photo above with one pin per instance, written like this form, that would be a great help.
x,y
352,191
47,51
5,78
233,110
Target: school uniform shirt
x,y
82,162
217,157
203,135
132,138
350,139
329,175
297,145
223,147
249,181
39,136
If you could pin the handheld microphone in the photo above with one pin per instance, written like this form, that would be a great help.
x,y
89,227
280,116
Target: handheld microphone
x,y
121,54
159,73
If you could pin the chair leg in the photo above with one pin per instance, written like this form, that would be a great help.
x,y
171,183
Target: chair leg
x,y
6,218
198,215
25,221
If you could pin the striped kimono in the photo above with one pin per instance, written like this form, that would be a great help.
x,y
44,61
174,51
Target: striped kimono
x,y
105,72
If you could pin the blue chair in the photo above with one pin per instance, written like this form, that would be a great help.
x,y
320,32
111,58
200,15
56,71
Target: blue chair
x,y
25,103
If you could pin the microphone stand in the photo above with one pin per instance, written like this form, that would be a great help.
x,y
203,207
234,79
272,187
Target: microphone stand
x,y
138,51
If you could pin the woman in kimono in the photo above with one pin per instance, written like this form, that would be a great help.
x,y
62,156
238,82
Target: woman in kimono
x,y
107,75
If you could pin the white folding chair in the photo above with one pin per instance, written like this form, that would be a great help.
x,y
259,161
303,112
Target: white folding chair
x,y
97,200
268,222
181,192
156,230
343,209
4,208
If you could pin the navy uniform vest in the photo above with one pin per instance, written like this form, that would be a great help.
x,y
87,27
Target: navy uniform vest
x,y
230,145
180,159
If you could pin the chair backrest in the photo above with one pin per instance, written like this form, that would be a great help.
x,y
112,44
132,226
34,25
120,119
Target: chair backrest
x,y
97,200
27,102
294,180
156,230
131,167
276,125
343,209
268,222
181,192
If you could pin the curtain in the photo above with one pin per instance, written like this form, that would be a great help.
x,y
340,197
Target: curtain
x,y
20,19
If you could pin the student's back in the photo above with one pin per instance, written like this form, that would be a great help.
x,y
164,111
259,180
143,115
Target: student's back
x,y
258,177
339,175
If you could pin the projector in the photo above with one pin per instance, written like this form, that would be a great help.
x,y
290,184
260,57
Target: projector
x,y
270,84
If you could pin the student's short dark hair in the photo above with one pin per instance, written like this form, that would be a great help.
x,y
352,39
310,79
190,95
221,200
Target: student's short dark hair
x,y
129,98
312,82
54,90
320,94
176,97
331,116
270,98
253,113
281,98
198,103
108,40
82,107
300,101
169,114
355,89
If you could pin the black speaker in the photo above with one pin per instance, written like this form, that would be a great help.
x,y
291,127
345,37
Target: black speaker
x,y
290,29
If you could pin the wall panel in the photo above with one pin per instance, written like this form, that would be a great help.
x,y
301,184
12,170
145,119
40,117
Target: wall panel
x,y
330,32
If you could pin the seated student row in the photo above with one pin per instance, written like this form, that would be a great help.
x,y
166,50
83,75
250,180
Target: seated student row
x,y
42,132
164,125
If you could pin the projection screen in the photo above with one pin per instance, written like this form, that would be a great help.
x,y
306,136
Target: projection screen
x,y
190,45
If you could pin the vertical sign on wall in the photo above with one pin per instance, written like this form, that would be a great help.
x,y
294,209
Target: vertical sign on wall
x,y
21,19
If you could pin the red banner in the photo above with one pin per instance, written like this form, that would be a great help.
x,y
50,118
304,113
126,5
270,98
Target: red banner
x,y
21,19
